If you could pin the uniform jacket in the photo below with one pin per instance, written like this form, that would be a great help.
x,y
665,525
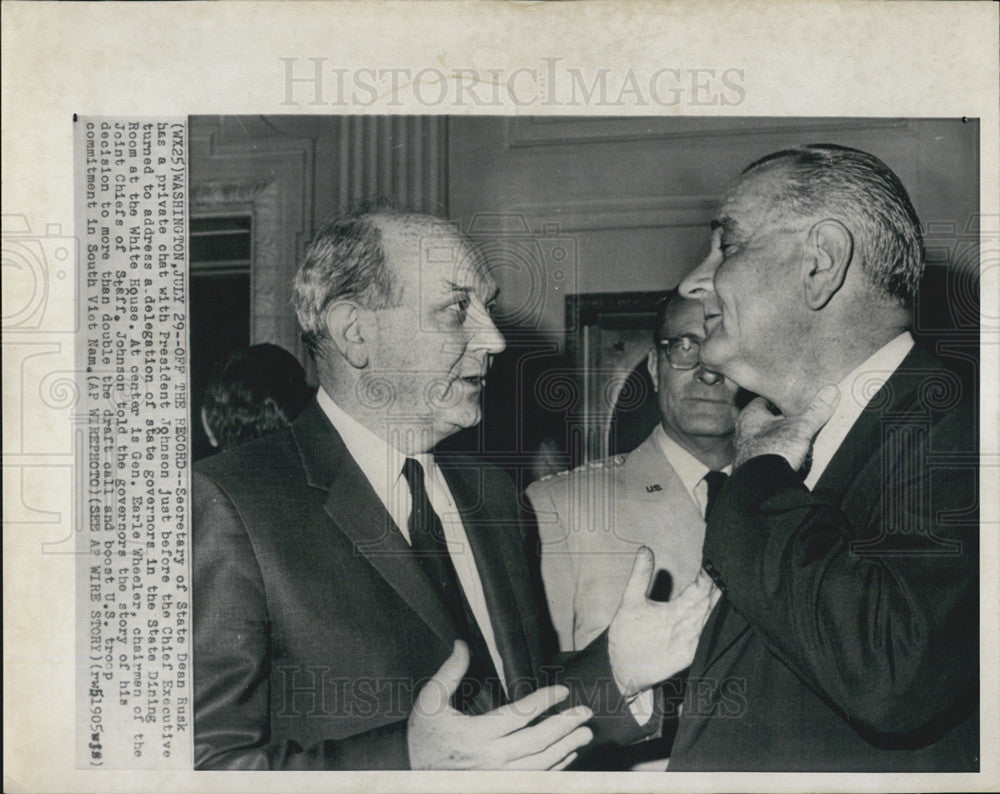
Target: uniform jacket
x,y
848,635
591,522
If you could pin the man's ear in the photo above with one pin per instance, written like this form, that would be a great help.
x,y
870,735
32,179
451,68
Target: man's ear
x,y
348,332
831,249
652,366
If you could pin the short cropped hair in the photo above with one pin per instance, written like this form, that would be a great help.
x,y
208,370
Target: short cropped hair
x,y
346,259
865,193
258,390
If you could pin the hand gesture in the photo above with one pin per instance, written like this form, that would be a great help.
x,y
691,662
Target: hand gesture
x,y
649,641
759,432
440,737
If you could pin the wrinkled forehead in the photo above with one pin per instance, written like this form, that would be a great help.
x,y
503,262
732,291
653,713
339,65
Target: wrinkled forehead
x,y
751,201
432,256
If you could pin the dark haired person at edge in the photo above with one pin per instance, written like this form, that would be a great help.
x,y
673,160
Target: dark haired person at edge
x,y
847,638
260,389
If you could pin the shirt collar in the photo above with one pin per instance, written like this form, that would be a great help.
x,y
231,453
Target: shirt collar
x,y
690,470
856,391
379,461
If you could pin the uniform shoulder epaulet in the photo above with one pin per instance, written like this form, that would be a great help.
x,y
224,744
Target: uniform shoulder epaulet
x,y
611,462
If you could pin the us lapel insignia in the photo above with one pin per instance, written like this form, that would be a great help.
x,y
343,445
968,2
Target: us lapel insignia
x,y
653,488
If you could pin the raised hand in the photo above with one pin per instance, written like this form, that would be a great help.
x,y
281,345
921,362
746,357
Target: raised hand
x,y
439,737
649,641
759,432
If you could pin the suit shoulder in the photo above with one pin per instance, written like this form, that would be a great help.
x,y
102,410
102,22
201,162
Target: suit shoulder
x,y
250,462
604,467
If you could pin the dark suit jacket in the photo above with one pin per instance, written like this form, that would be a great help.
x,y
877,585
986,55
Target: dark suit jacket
x,y
848,638
315,626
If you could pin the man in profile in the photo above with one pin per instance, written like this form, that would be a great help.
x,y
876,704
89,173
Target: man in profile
x,y
591,520
846,540
362,603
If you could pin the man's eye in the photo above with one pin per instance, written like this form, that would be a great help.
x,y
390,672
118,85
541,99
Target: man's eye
x,y
459,309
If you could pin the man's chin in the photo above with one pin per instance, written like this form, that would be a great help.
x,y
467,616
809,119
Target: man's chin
x,y
457,422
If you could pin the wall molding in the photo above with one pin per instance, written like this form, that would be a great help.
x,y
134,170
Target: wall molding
x,y
615,214
237,170
531,131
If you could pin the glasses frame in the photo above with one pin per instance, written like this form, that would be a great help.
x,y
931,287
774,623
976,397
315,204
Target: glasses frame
x,y
664,346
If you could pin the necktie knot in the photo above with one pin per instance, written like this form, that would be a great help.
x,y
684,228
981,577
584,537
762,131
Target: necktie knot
x,y
426,532
714,480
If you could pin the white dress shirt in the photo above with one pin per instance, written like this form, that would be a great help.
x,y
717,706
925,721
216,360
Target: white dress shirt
x,y
856,391
690,470
382,465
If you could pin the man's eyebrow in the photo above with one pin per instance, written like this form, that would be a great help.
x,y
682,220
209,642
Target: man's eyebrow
x,y
451,286
465,289
726,224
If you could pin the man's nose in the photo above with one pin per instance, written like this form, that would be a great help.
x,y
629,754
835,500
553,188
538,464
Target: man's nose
x,y
697,284
485,333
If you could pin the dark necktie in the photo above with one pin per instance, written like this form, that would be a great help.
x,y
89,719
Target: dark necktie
x,y
715,481
428,543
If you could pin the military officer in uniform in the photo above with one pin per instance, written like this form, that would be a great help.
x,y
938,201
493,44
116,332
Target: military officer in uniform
x,y
592,519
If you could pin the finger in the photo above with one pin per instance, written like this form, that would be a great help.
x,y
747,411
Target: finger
x,y
535,738
569,759
516,715
436,693
820,409
703,579
555,754
699,590
755,414
640,578
713,599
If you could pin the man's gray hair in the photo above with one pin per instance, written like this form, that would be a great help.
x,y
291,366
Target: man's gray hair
x,y
346,260
868,197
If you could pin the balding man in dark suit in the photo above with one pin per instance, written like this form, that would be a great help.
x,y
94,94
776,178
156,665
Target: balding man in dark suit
x,y
846,541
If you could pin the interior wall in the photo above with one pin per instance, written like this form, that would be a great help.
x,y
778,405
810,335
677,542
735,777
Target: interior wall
x,y
630,198
292,173
562,205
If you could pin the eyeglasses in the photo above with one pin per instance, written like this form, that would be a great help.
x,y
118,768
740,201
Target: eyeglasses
x,y
682,351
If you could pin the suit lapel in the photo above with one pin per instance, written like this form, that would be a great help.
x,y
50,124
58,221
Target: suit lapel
x,y
494,554
356,510
896,397
722,629
725,625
